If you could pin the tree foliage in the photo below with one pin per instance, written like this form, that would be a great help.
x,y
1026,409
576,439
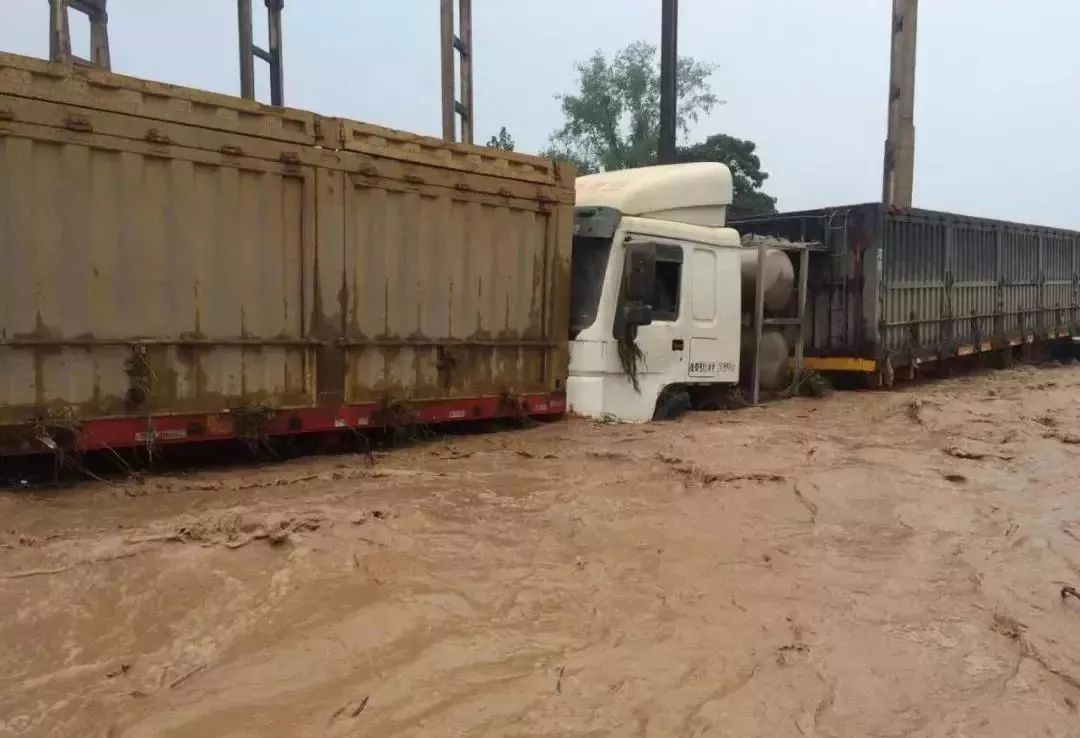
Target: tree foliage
x,y
612,121
745,168
503,141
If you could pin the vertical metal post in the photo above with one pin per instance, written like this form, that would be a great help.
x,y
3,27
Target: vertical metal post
x,y
899,167
273,16
465,48
669,64
447,58
59,35
247,53
759,320
99,32
800,341
60,32
459,44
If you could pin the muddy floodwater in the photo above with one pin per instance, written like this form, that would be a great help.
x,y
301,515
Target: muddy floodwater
x,y
868,564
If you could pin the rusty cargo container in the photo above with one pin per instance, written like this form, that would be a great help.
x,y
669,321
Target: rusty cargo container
x,y
183,266
901,288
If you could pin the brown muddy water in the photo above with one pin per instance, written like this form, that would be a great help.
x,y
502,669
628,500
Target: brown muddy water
x,y
869,564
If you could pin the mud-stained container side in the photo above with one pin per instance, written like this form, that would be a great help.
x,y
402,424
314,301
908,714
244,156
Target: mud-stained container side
x,y
448,275
110,246
169,252
924,285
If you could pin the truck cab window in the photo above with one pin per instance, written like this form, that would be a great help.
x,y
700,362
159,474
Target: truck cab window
x,y
666,291
588,266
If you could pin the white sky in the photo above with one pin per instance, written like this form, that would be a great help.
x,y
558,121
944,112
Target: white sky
x,y
998,98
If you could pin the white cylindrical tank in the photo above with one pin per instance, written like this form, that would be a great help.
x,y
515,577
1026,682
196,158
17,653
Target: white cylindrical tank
x,y
779,279
774,359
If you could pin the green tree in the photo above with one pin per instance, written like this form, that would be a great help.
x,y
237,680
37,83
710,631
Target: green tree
x,y
504,141
613,120
745,168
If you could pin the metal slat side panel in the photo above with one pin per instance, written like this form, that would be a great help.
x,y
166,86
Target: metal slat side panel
x,y
866,287
975,281
916,305
388,143
1060,279
188,266
970,283
97,89
1020,266
162,134
197,263
445,292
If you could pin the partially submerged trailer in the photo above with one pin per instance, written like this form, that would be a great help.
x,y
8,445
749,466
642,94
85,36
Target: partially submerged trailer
x,y
904,288
181,266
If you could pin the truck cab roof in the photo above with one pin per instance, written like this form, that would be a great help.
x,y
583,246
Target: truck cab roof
x,y
696,193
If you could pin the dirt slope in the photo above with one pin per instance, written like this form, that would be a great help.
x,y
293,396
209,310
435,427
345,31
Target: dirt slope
x,y
872,564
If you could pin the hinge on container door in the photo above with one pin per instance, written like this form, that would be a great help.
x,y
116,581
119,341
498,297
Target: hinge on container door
x,y
157,137
445,364
140,377
79,123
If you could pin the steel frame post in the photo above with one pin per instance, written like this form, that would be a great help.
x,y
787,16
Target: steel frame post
x,y
249,51
60,33
457,45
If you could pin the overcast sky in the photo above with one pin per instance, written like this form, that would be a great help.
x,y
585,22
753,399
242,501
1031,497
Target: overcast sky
x,y
998,98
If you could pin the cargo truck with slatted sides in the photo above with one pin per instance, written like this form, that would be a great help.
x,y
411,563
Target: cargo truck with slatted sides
x,y
179,266
898,291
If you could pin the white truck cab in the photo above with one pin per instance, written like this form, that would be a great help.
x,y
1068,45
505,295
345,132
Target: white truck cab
x,y
656,290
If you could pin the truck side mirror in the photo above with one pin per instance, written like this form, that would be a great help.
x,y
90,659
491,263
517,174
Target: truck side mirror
x,y
639,272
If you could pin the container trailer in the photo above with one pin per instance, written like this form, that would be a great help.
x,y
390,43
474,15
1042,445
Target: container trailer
x,y
904,289
184,266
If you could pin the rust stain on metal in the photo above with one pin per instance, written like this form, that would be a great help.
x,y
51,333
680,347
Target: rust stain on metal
x,y
278,259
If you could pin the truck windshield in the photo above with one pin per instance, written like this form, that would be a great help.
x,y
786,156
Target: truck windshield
x,y
588,266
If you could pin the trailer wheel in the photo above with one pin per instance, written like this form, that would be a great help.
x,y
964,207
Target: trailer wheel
x,y
672,404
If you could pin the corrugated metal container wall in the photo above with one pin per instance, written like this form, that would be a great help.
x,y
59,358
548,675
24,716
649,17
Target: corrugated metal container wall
x,y
150,268
454,269
924,284
216,309
240,259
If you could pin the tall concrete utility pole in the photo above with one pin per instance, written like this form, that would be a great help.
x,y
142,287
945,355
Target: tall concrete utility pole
x,y
459,43
669,83
899,170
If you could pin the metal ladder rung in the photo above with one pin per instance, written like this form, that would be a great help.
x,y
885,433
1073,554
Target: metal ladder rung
x,y
249,52
60,33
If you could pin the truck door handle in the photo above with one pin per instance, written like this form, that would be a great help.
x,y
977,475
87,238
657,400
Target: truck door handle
x,y
677,345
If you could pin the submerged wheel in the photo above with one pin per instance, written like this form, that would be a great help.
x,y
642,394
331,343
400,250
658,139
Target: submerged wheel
x,y
672,405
